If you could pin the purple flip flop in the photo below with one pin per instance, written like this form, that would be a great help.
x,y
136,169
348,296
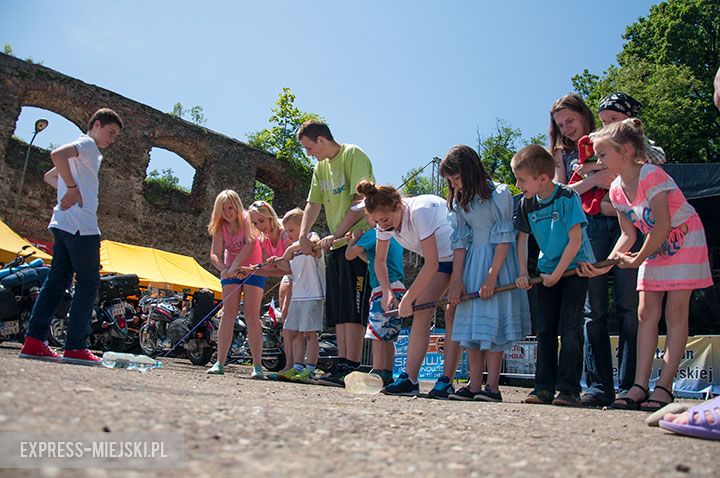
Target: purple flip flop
x,y
699,427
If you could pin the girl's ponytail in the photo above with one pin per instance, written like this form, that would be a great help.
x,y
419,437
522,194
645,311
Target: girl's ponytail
x,y
378,197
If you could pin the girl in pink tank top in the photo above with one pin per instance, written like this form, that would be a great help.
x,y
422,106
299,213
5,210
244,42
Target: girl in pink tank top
x,y
234,245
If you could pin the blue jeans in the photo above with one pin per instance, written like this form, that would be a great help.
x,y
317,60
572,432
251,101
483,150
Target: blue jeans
x,y
603,232
76,254
560,314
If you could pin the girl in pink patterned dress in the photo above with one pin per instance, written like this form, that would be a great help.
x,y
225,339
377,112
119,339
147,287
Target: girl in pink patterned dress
x,y
673,259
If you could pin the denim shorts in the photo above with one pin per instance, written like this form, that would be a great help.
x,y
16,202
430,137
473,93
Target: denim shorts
x,y
445,267
256,281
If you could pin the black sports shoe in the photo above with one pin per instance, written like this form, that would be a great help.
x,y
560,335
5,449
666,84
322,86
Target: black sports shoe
x,y
335,378
403,387
462,394
488,395
442,389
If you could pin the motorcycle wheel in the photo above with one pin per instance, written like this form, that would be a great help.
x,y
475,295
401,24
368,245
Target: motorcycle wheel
x,y
274,364
200,355
148,339
57,332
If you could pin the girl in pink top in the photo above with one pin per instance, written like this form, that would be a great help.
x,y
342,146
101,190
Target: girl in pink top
x,y
672,261
273,242
233,239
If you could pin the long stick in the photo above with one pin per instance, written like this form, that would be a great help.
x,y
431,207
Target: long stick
x,y
502,288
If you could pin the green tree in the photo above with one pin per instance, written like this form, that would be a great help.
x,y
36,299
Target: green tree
x,y
8,49
415,183
165,180
667,64
497,149
280,140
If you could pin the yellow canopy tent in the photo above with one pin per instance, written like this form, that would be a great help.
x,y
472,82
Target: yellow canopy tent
x,y
11,243
153,265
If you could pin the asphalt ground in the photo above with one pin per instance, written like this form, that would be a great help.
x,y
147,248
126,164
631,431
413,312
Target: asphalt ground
x,y
233,426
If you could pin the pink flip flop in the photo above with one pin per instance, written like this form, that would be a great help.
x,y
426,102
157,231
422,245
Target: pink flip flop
x,y
699,427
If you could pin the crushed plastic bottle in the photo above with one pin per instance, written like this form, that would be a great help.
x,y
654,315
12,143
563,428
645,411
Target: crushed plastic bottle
x,y
142,363
360,382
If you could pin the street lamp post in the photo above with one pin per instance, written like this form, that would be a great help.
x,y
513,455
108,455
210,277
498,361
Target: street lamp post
x,y
40,125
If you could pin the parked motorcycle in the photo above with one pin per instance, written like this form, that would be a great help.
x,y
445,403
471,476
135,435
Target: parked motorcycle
x,y
169,318
111,317
20,284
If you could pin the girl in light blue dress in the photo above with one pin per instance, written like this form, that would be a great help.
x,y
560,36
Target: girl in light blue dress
x,y
483,243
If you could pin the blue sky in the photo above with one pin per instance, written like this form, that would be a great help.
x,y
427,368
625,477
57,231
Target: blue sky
x,y
403,80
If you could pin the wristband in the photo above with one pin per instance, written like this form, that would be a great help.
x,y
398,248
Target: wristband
x,y
72,187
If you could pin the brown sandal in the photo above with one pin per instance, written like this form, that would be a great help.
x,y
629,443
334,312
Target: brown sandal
x,y
627,403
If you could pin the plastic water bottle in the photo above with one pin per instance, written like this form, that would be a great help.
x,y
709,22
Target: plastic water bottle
x,y
359,382
142,363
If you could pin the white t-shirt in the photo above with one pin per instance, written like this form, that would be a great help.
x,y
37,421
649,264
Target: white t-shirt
x,y
308,276
423,216
84,168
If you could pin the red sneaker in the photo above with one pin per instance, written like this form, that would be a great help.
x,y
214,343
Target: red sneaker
x,y
38,350
81,357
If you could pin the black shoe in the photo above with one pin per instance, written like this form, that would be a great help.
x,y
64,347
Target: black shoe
x,y
335,378
442,389
488,395
403,387
462,394
594,401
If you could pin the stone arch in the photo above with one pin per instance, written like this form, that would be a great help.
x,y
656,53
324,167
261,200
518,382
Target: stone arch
x,y
125,214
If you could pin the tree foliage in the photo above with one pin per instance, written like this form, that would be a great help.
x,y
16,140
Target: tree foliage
x,y
280,140
8,49
667,63
165,180
197,114
417,183
263,192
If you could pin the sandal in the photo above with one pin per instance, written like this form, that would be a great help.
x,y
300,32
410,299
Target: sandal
x,y
652,405
698,425
627,403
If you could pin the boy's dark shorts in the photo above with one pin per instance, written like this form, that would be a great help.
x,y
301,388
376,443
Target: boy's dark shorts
x,y
347,290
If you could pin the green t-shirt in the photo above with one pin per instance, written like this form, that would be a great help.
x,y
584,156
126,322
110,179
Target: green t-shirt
x,y
334,181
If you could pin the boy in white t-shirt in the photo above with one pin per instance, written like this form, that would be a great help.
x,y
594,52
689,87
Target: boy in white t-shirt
x,y
77,242
304,317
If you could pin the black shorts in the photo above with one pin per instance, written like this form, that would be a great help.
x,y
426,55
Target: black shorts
x,y
347,290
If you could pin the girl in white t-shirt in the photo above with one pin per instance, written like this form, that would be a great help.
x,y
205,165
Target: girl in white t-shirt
x,y
420,224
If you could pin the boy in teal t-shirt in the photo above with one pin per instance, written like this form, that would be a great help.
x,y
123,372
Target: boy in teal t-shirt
x,y
340,167
383,331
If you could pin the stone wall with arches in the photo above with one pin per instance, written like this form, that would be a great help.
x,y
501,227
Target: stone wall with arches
x,y
128,212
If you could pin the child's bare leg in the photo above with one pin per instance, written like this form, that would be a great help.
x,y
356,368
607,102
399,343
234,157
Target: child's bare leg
x,y
288,338
676,317
388,356
354,338
648,318
476,358
420,332
378,353
494,365
313,347
231,305
452,349
298,345
340,335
